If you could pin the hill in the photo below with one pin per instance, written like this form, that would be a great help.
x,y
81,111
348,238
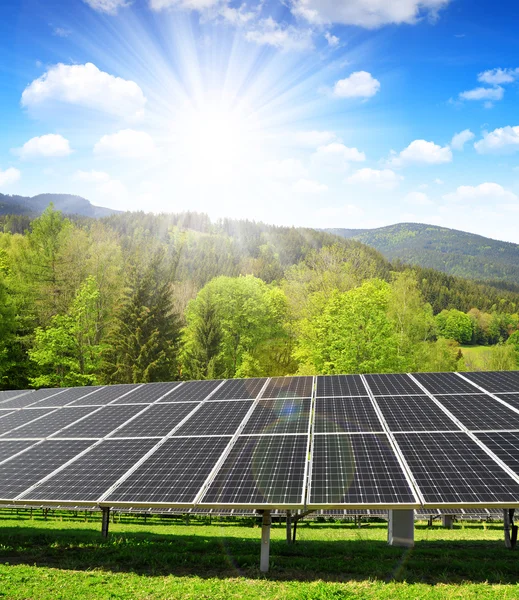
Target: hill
x,y
449,250
67,203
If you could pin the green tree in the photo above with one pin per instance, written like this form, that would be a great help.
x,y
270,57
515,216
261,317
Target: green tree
x,y
143,344
67,352
503,357
7,329
455,325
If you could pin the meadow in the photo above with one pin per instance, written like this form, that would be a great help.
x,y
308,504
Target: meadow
x,y
66,558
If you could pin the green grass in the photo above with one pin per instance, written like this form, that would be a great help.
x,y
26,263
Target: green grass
x,y
476,357
69,560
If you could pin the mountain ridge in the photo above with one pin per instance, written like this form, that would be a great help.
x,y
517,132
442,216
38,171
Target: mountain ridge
x,y
69,204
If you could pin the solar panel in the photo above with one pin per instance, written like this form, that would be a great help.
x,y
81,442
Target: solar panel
x,y
414,413
345,414
26,469
445,383
10,448
357,469
50,423
512,399
504,445
101,422
239,389
340,385
480,412
218,418
28,399
289,387
261,470
157,421
66,397
106,395
450,468
390,385
148,394
95,472
20,417
10,394
495,382
174,474
280,416
192,391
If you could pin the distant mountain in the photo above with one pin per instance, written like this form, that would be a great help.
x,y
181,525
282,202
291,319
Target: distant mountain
x,y
448,250
67,203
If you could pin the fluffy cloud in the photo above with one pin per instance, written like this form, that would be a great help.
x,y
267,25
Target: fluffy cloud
x,y
360,84
126,143
417,199
88,87
270,33
499,76
92,176
337,156
366,13
314,139
486,193
502,139
332,40
422,152
106,6
309,186
9,176
289,168
45,146
384,178
483,93
460,139
184,4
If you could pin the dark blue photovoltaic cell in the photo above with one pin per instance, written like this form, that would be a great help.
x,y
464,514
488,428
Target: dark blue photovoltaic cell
x,y
480,412
20,417
329,386
50,423
31,398
335,415
216,418
11,394
107,394
496,381
157,421
239,389
10,448
445,383
100,423
282,415
289,387
192,391
414,413
395,384
148,393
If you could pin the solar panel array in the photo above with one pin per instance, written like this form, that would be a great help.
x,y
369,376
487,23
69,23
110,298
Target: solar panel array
x,y
427,441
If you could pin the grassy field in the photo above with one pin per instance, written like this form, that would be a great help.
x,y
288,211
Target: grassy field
x,y
476,357
69,560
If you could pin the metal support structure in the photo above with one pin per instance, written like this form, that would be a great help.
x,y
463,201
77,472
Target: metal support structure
x,y
289,526
400,529
448,521
106,521
510,528
265,541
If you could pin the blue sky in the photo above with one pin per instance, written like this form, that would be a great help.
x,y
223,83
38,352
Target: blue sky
x,y
321,113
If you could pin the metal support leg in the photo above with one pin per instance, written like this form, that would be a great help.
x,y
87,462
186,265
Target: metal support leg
x,y
106,521
265,541
447,521
510,528
289,526
400,530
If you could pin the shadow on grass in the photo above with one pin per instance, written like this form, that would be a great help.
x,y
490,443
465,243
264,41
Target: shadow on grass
x,y
218,555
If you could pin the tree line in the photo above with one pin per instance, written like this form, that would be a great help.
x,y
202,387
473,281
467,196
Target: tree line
x,y
140,298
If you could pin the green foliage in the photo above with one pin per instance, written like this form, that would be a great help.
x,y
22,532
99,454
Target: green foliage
x,y
503,358
7,329
455,325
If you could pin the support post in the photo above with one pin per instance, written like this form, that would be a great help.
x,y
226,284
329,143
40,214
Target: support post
x,y
289,526
510,528
265,541
106,521
448,521
400,530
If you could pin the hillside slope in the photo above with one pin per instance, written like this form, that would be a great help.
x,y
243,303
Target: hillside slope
x,y
448,250
67,203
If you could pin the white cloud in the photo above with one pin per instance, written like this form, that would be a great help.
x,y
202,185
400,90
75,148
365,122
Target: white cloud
x,y
502,139
309,186
92,176
332,40
9,176
184,4
289,168
360,84
61,32
270,33
88,87
498,76
126,143
422,152
384,178
336,156
438,181
366,13
107,6
460,139
45,146
487,193
483,93
314,139
417,199
237,16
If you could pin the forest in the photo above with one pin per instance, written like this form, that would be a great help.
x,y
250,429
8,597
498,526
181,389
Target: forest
x,y
137,297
